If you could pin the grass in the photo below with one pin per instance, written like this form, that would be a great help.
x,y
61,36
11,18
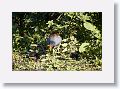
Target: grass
x,y
57,59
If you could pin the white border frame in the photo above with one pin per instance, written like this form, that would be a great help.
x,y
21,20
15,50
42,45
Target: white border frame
x,y
104,76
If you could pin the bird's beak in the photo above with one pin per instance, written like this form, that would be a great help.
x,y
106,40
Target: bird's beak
x,y
50,46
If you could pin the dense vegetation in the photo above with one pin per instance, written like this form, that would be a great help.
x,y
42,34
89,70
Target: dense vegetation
x,y
80,49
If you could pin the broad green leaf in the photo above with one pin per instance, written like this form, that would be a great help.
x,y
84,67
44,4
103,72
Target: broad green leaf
x,y
92,28
89,26
82,47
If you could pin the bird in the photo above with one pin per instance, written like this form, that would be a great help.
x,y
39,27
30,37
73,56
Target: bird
x,y
75,55
54,39
33,54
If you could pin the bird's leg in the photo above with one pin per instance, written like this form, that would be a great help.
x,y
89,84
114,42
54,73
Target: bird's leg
x,y
58,49
53,52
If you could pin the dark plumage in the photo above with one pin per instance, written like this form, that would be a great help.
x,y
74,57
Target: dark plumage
x,y
75,55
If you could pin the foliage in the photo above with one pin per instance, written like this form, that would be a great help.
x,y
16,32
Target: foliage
x,y
80,49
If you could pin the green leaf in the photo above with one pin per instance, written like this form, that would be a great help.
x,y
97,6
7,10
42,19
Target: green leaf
x,y
64,45
89,26
33,45
82,47
64,50
50,23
